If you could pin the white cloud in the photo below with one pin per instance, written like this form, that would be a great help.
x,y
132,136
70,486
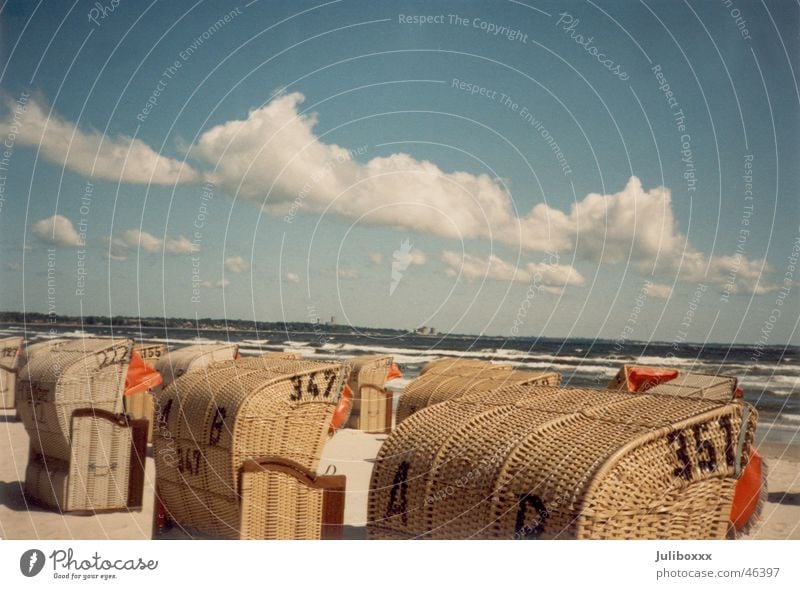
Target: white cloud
x,y
347,274
152,244
236,264
136,238
376,257
273,157
292,278
550,277
275,152
57,230
116,249
119,248
658,291
224,283
114,158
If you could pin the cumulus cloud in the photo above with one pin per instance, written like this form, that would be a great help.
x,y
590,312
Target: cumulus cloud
x,y
116,249
274,155
223,283
57,230
551,277
115,158
152,244
119,248
347,274
292,278
658,291
236,264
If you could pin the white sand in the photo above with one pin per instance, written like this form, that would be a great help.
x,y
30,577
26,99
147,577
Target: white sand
x,y
351,452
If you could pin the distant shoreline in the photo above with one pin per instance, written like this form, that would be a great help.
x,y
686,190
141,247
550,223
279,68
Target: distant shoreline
x,y
207,324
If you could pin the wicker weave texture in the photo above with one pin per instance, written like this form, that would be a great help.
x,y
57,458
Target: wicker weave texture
x,y
78,461
277,506
548,462
9,362
178,362
444,380
686,384
47,346
100,465
76,374
211,420
281,356
371,412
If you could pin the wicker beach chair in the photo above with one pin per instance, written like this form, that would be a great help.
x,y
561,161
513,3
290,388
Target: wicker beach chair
x,y
237,448
281,356
85,455
139,403
47,346
372,403
444,380
638,378
195,357
10,351
526,462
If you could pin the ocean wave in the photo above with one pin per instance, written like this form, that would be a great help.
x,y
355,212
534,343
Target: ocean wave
x,y
779,385
254,342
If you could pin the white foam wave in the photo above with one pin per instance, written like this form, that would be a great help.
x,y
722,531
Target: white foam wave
x,y
254,342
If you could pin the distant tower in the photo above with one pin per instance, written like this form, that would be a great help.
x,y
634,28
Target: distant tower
x,y
333,319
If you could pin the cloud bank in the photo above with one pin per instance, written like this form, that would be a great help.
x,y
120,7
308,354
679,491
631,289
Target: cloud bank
x,y
117,158
275,158
551,277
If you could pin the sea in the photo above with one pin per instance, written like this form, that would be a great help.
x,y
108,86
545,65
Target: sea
x,y
769,376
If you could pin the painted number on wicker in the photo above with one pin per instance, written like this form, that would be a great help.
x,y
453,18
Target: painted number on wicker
x,y
308,383
8,352
116,355
189,460
217,425
704,455
524,530
398,497
163,415
149,353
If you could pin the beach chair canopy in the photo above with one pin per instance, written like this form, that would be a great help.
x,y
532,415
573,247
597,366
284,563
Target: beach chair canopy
x,y
178,362
444,380
372,404
211,421
549,462
638,378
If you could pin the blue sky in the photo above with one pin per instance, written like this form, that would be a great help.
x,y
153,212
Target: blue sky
x,y
270,160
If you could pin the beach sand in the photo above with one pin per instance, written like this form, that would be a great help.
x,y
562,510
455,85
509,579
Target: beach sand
x,y
352,453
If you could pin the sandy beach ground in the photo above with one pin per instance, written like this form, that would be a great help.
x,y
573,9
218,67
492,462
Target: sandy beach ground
x,y
352,453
